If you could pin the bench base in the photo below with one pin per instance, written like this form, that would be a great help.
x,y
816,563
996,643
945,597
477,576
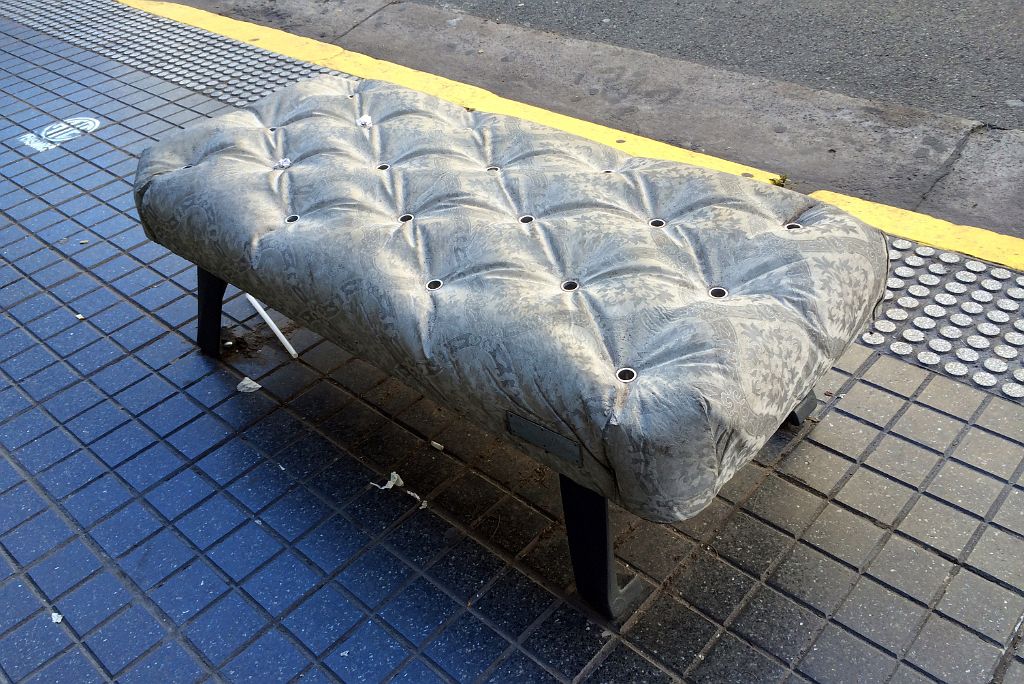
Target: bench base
x,y
593,559
803,410
211,299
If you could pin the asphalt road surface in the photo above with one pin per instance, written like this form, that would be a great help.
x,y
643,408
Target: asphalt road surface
x,y
956,57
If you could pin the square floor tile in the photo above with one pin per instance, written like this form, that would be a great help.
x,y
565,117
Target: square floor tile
x,y
928,427
953,654
466,648
982,605
884,617
322,619
939,526
911,568
222,629
813,578
838,656
368,655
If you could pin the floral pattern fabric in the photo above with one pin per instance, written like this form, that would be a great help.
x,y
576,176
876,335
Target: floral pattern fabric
x,y
507,269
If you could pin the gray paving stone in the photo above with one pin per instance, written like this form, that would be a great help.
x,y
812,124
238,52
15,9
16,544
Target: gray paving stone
x,y
711,585
912,569
965,488
838,656
881,615
844,535
896,376
999,554
952,397
871,404
815,467
903,460
905,674
1014,673
854,357
656,550
939,525
829,385
1011,512
1004,418
953,654
843,434
989,452
928,427
982,605
813,578
777,624
784,504
875,495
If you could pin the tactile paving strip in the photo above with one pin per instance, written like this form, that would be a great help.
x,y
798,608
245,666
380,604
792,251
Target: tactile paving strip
x,y
219,67
953,314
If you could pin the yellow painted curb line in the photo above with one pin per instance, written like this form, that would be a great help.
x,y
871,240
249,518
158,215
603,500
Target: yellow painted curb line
x,y
364,66
976,242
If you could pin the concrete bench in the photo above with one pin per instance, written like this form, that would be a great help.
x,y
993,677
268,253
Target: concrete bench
x,y
642,327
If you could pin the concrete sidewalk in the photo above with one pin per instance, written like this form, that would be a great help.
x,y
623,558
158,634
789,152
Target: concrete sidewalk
x,y
953,168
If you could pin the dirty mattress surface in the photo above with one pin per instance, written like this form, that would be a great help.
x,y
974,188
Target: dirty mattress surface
x,y
641,326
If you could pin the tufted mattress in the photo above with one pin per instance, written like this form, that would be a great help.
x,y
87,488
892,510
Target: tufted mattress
x,y
640,326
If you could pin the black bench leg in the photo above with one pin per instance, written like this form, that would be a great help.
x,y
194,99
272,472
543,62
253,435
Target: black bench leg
x,y
803,410
211,297
590,546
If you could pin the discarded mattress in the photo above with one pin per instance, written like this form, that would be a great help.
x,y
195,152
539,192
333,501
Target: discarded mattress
x,y
640,326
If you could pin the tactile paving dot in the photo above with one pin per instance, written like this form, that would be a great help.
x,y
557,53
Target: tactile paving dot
x,y
997,316
955,368
908,302
972,307
955,315
960,319
967,355
924,323
1005,351
995,365
984,379
900,348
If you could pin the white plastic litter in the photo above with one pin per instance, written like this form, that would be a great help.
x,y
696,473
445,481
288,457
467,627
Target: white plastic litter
x,y
365,121
393,481
273,326
56,618
283,163
439,447
248,385
80,317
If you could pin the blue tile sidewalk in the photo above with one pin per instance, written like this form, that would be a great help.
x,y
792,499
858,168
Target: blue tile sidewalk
x,y
183,531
